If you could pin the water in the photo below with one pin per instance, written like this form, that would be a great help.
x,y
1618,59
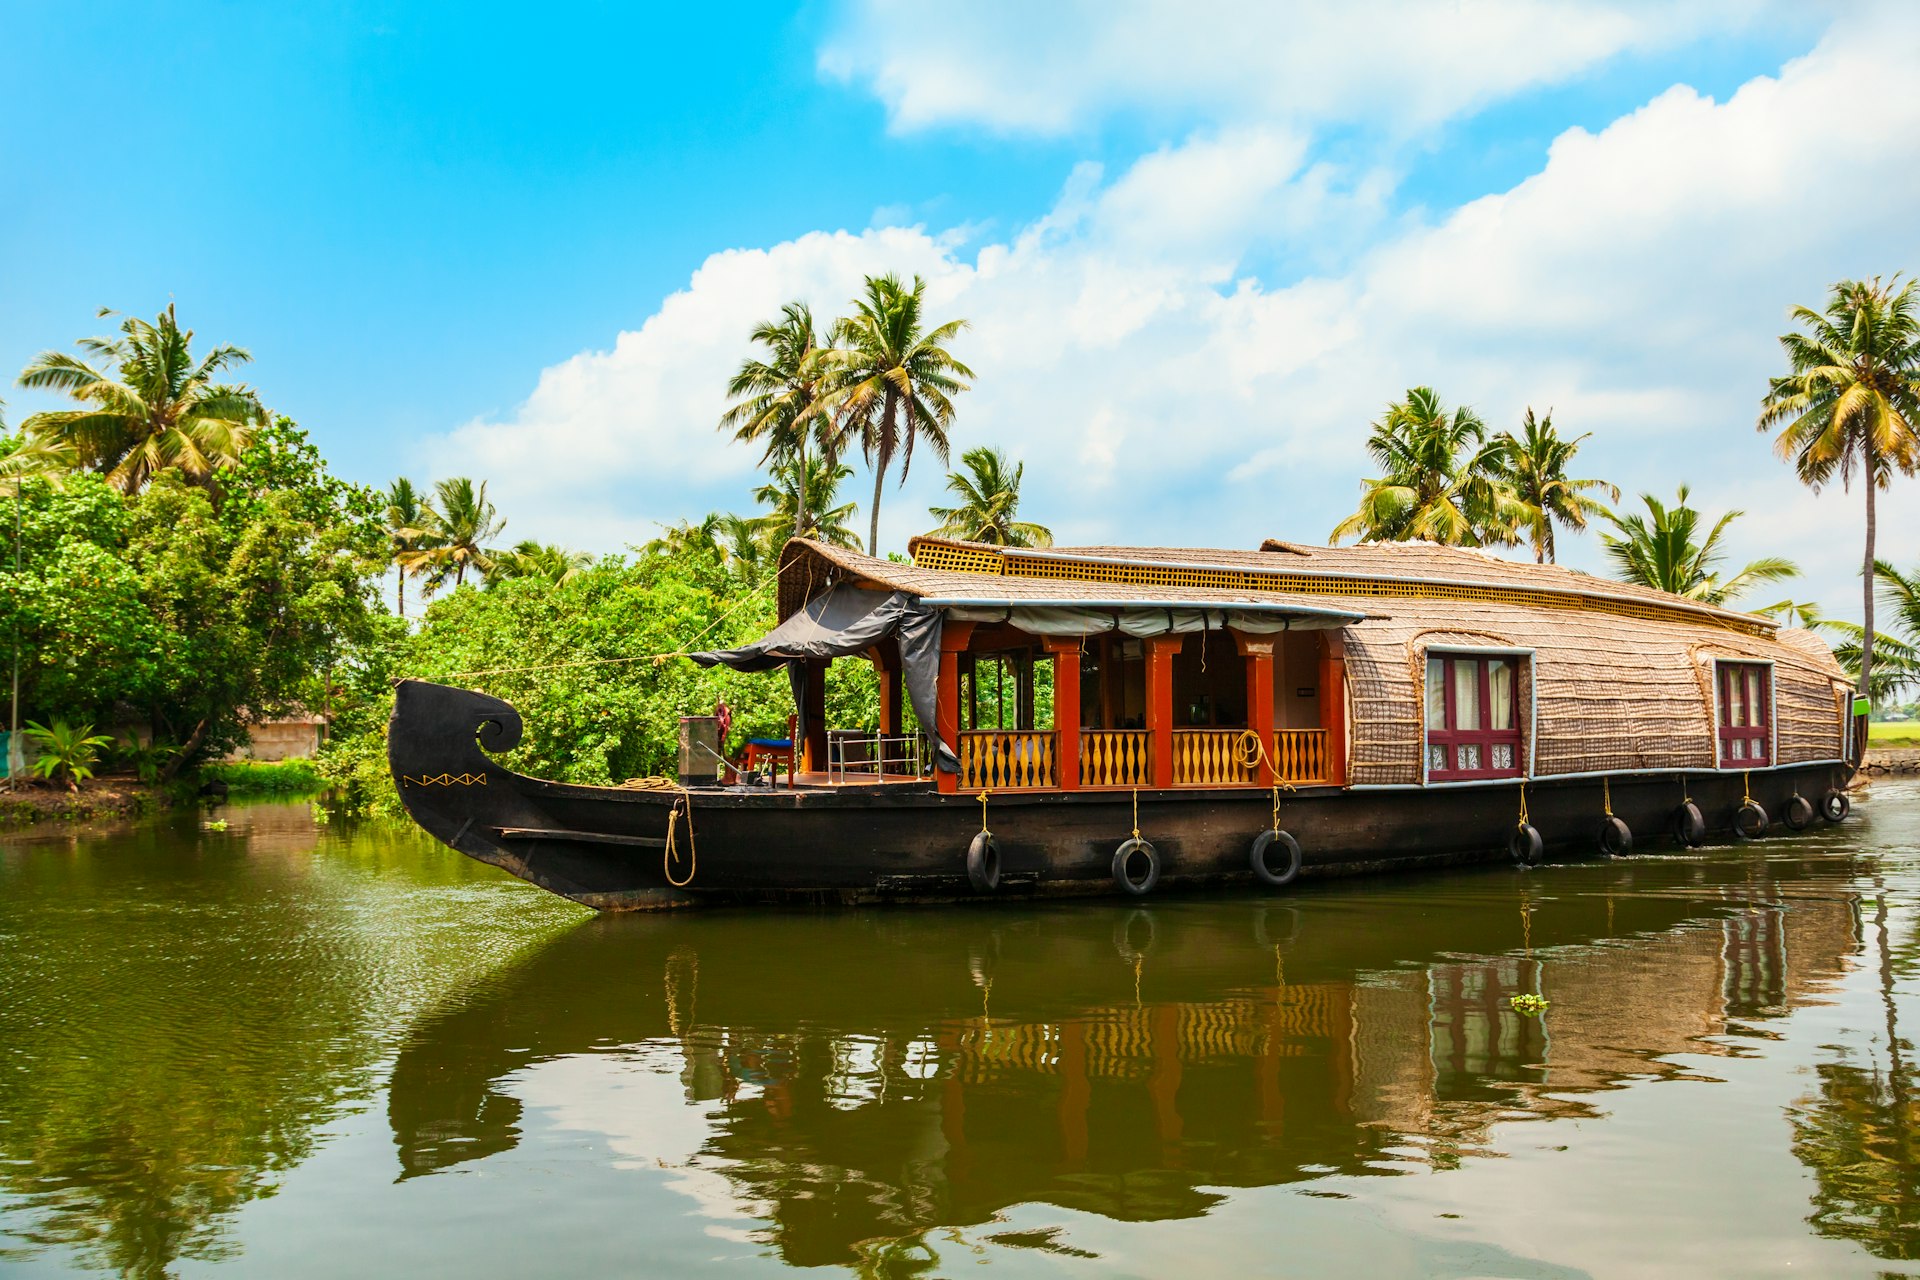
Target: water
x,y
288,1050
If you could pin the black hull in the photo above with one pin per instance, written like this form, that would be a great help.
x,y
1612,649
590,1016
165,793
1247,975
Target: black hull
x,y
605,847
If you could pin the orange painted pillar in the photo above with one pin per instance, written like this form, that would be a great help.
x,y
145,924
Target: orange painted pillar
x,y
1160,651
1257,653
1066,708
1333,704
954,637
814,749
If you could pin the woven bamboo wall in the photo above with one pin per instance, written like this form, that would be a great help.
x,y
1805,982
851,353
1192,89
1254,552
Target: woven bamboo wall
x,y
1613,693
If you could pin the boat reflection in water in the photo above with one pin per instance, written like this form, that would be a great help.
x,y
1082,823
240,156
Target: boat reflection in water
x,y
844,1086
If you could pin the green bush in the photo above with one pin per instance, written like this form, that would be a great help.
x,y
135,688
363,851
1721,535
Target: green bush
x,y
266,778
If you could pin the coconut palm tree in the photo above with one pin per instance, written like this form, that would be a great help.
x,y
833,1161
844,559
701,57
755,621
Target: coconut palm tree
x,y
776,401
456,538
818,497
410,521
1441,482
687,537
154,407
889,381
1664,550
989,499
1896,656
547,561
1852,403
1534,464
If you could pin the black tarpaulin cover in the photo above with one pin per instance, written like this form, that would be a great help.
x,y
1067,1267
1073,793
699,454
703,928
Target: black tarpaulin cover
x,y
842,622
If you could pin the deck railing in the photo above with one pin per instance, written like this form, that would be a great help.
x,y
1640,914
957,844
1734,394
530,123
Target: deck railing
x,y
1300,755
1003,760
1209,758
1116,758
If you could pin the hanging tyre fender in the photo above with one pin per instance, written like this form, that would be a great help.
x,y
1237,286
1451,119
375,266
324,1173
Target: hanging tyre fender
x,y
1289,857
1616,837
983,863
1526,846
1798,815
1123,858
1836,805
1750,821
1689,826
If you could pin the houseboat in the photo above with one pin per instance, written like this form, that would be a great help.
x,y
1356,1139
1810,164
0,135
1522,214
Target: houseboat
x,y
1132,720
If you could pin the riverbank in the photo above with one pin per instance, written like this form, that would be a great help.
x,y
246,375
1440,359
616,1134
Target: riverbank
x,y
1881,761
26,803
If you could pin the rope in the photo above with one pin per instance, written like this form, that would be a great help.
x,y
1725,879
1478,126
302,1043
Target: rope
x,y
1606,796
1136,813
672,853
1523,805
1746,785
983,814
1250,753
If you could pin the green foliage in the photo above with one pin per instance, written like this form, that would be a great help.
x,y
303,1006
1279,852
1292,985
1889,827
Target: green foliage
x,y
1665,550
150,408
546,649
67,754
266,777
1442,479
989,496
456,527
1534,465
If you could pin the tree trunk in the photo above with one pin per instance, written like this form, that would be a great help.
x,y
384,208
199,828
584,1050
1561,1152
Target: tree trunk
x,y
1866,622
800,491
172,768
873,525
400,589
883,458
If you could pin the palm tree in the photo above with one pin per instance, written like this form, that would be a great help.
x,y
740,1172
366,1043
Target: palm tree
x,y
462,523
818,497
155,408
776,401
1896,658
1852,402
410,521
1663,550
989,500
687,537
890,381
547,561
1535,465
1442,479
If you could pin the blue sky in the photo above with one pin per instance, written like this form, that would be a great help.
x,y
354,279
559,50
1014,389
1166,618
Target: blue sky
x,y
1200,246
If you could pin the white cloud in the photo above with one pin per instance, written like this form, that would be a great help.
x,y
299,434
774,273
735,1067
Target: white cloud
x,y
1634,285
1049,69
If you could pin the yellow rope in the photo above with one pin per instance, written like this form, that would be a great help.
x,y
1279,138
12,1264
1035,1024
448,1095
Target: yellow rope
x,y
983,814
1746,785
1606,796
672,853
1250,753
1523,805
1136,813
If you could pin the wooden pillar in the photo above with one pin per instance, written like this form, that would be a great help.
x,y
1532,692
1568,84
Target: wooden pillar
x,y
1257,653
816,716
1160,651
1333,704
953,642
1066,708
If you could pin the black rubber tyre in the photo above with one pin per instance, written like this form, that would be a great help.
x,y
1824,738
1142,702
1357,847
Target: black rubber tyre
x,y
1689,826
1122,860
1750,821
1616,838
983,863
1836,805
1798,815
1526,846
1289,857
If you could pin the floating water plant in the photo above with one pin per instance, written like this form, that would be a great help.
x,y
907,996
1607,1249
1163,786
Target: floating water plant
x,y
1529,1004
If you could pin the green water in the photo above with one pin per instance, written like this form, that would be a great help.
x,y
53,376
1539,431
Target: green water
x,y
290,1050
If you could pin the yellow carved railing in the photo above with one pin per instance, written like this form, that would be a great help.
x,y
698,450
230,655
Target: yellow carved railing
x,y
1002,761
1300,755
1116,758
1209,758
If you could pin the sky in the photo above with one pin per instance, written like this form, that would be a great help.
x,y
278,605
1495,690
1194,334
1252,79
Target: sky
x,y
1199,246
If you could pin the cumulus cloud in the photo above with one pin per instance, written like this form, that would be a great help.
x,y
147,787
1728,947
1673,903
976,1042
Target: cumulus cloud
x,y
1635,285
1017,67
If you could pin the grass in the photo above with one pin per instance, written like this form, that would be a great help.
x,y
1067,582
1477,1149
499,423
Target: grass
x,y
264,778
1903,734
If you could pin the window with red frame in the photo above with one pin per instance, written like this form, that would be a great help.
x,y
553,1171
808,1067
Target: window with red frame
x,y
1746,714
1473,727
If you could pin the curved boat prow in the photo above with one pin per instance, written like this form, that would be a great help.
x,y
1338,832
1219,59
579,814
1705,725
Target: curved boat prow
x,y
437,749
